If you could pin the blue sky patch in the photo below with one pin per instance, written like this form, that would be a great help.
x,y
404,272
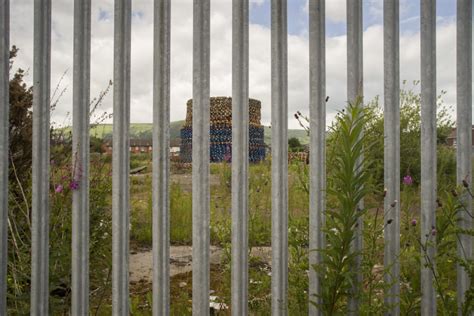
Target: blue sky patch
x,y
373,15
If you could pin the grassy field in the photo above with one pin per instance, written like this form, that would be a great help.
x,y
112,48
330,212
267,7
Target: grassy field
x,y
144,130
136,130
259,233
181,206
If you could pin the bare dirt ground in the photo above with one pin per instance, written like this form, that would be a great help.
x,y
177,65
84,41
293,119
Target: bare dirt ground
x,y
141,262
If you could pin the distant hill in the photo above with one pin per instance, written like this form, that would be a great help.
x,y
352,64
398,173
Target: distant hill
x,y
144,130
137,130
298,133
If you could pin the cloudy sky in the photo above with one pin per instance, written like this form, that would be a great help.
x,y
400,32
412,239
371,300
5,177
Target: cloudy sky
x,y
181,52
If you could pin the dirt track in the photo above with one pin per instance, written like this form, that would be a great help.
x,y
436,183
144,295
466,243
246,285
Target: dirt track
x,y
141,263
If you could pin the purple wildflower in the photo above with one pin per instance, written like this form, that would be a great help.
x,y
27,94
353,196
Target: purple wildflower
x,y
59,188
413,222
433,232
407,180
74,185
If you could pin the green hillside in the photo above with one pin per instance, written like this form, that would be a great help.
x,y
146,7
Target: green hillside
x,y
144,130
137,130
298,133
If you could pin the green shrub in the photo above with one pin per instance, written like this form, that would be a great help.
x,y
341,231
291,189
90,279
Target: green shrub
x,y
410,132
60,238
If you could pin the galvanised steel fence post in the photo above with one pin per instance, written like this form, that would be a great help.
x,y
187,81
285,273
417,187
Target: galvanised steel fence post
x,y
355,91
80,147
161,145
464,137
240,155
200,156
317,155
279,92
392,155
121,158
41,138
428,153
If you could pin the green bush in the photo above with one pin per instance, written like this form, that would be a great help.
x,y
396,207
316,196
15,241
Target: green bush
x,y
60,238
410,132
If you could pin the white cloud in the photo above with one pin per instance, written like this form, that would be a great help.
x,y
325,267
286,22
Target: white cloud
x,y
335,10
181,54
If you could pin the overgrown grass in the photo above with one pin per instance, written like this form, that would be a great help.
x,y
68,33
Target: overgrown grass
x,y
181,206
372,287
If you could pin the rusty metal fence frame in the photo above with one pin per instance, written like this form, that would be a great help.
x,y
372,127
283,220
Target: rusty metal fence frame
x,y
201,192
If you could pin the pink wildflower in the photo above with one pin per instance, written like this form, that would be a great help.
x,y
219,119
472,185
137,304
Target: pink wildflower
x,y
59,188
407,180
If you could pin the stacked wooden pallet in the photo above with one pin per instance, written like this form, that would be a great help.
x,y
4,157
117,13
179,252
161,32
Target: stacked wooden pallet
x,y
221,131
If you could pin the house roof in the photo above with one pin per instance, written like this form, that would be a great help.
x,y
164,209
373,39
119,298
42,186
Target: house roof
x,y
136,142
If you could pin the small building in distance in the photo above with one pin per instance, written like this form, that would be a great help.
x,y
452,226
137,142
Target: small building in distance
x,y
140,146
137,146
453,136
174,151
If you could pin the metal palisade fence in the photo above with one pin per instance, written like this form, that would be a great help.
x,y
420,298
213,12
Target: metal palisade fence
x,y
201,192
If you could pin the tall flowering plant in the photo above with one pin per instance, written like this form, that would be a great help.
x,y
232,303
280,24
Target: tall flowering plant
x,y
347,187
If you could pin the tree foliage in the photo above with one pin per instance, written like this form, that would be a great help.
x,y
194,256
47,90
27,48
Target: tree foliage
x,y
21,122
410,133
294,145
60,210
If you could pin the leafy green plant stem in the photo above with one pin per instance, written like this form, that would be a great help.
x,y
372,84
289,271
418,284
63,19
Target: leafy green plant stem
x,y
431,266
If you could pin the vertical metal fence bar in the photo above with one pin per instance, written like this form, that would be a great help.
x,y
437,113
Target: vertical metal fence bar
x,y
392,154
355,90
121,158
240,155
4,127
161,145
80,145
279,74
201,156
355,83
464,135
40,185
428,152
317,110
